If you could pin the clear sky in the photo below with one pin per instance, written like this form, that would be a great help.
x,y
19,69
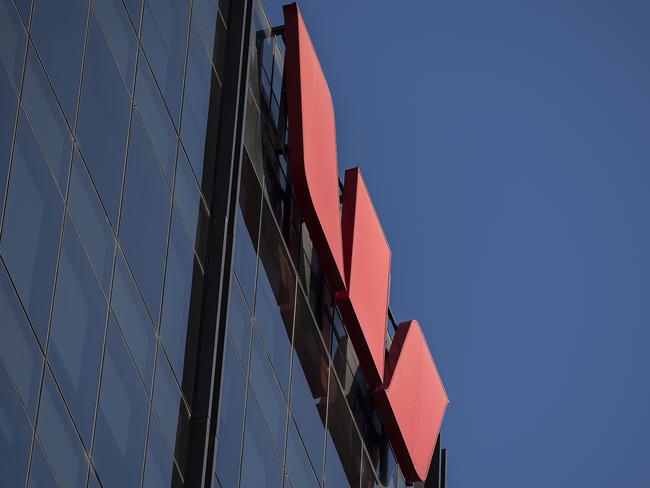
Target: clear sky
x,y
507,148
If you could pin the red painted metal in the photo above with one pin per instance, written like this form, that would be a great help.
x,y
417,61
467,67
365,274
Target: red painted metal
x,y
312,143
355,255
413,403
366,254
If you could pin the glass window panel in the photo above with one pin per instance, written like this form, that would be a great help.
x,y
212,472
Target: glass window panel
x,y
201,97
181,307
145,219
18,344
40,474
164,34
274,300
368,477
59,439
121,417
24,7
93,482
15,433
343,440
46,119
299,468
171,409
155,118
261,467
205,15
188,197
160,469
231,418
239,322
134,8
247,230
309,382
103,120
77,332
58,27
30,236
91,221
265,385
118,30
133,319
9,102
12,41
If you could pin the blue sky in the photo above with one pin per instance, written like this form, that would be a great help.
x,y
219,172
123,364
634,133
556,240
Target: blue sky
x,y
507,148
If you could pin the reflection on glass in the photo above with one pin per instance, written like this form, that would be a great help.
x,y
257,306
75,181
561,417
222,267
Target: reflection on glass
x,y
30,236
117,29
46,119
7,121
160,469
133,320
239,322
164,34
40,474
103,120
231,417
121,417
183,275
155,118
18,345
274,300
265,386
201,87
58,27
12,41
59,439
261,467
145,217
187,196
299,468
77,332
91,222
171,409
15,433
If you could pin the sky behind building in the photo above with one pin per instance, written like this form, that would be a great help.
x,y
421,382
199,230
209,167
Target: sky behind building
x,y
507,148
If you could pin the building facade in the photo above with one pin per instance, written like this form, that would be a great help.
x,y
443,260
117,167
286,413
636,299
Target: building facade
x,y
164,318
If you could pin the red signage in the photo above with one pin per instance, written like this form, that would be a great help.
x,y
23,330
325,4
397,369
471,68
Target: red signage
x,y
355,256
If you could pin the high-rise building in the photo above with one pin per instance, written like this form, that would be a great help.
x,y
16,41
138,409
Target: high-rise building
x,y
165,317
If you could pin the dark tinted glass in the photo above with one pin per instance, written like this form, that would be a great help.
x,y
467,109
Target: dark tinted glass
x,y
160,469
12,41
91,221
247,231
205,15
145,218
57,28
335,476
103,120
151,108
134,320
309,380
47,119
275,297
261,467
164,36
201,87
266,387
15,433
299,468
188,197
7,122
40,475
121,418
59,439
180,308
118,30
171,409
30,236
231,417
368,477
239,322
18,344
77,332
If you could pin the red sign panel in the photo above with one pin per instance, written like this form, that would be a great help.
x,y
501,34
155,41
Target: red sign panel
x,y
355,255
